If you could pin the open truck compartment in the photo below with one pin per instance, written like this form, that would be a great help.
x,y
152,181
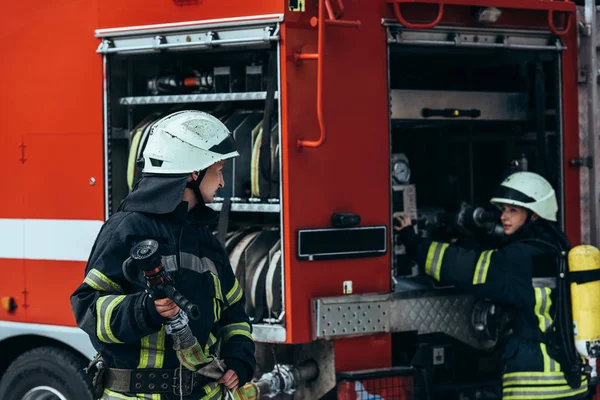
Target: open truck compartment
x,y
466,108
464,117
231,71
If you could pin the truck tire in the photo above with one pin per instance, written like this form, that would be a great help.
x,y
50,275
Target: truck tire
x,y
46,373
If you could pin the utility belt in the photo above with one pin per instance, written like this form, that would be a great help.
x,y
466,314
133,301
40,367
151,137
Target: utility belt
x,y
180,381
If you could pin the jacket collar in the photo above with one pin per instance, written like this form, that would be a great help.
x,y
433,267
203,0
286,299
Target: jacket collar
x,y
199,215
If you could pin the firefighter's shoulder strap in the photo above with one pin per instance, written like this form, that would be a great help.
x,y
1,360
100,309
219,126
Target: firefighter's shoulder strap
x,y
581,277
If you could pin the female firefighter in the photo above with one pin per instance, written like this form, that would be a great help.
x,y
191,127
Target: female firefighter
x,y
140,338
509,275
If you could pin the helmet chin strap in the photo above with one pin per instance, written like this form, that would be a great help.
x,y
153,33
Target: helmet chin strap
x,y
195,186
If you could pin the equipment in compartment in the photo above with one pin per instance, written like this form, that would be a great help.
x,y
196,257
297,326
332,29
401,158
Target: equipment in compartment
x,y
200,82
255,273
438,104
274,285
256,261
228,79
254,78
400,169
138,138
404,201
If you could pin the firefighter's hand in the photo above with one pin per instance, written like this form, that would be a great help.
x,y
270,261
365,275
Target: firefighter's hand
x,y
230,380
402,222
166,307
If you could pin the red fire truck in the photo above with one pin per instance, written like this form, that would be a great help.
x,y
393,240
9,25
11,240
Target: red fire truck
x,y
346,113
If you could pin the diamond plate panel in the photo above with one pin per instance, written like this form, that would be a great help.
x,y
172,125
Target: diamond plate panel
x,y
359,315
437,314
351,316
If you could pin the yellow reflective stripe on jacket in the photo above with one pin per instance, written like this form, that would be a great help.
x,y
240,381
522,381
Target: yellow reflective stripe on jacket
x,y
193,357
217,309
535,393
217,283
213,391
101,282
549,364
110,395
152,350
235,294
212,340
246,392
543,302
538,385
105,306
482,266
533,379
433,263
239,328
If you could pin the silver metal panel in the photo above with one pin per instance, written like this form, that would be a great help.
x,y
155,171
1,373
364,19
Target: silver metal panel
x,y
268,333
446,314
222,23
280,164
191,36
408,104
194,98
246,207
351,316
589,123
358,315
474,38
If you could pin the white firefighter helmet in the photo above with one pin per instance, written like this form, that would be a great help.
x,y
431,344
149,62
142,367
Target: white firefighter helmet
x,y
530,191
187,141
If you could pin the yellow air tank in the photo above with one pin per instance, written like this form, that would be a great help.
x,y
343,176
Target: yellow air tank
x,y
585,301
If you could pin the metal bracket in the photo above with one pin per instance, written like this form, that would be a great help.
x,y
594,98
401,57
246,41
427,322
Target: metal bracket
x,y
582,162
582,75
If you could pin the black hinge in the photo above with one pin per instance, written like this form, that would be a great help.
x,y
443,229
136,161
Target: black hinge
x,y
22,147
582,162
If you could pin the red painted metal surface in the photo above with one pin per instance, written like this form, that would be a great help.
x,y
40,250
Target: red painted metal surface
x,y
363,353
116,13
51,102
322,22
350,173
530,14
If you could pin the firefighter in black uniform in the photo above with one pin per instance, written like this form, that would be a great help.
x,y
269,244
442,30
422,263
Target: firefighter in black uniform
x,y
183,163
510,275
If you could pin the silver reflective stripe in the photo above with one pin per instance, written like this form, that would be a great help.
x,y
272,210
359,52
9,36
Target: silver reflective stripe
x,y
544,282
110,395
482,266
152,353
170,262
541,393
543,313
101,282
235,294
211,340
543,305
529,380
200,265
153,350
213,391
436,262
105,306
